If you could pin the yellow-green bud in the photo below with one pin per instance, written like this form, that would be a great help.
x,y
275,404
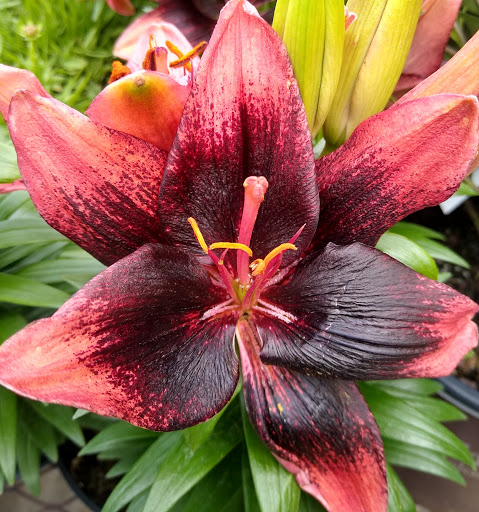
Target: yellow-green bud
x,y
375,50
313,32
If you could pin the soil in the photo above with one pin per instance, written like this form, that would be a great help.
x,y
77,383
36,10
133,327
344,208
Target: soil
x,y
87,473
461,229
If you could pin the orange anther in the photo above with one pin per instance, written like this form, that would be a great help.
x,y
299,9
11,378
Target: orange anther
x,y
118,71
185,60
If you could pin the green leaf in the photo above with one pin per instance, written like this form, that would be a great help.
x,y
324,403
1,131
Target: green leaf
x,y
220,490
61,418
40,431
399,420
465,189
18,290
28,456
276,488
425,387
53,271
142,475
406,455
115,436
2,482
441,252
8,433
409,253
10,323
9,203
309,504
26,231
413,231
251,503
399,499
184,467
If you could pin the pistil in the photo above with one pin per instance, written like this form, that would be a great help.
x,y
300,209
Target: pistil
x,y
255,188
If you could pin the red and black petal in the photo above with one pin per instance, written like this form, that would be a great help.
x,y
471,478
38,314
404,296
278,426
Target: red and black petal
x,y
319,429
355,313
397,162
133,343
244,117
97,186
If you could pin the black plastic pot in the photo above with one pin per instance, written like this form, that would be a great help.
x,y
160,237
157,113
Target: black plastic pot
x,y
461,395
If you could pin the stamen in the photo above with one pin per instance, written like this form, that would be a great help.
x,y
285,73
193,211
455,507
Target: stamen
x,y
185,60
198,234
156,59
263,264
118,71
174,49
230,245
255,188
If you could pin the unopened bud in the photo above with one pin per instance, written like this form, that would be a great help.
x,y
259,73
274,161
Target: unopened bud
x,y
313,32
375,50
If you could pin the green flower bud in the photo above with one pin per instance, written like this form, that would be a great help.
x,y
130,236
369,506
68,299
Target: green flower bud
x,y
375,50
313,32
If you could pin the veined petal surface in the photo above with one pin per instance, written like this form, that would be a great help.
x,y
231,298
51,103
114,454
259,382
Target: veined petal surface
x,y
97,186
241,119
395,163
355,313
145,104
132,344
321,430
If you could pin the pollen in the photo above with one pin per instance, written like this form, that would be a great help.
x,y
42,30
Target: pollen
x,y
118,71
231,245
280,408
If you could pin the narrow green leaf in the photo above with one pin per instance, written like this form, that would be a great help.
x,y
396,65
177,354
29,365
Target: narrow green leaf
x,y
399,499
276,488
251,503
40,431
309,504
142,475
220,490
28,456
441,252
126,461
138,503
465,189
61,418
409,253
8,433
2,482
14,254
10,323
184,467
115,436
52,271
18,290
11,202
406,455
413,231
402,422
425,387
26,231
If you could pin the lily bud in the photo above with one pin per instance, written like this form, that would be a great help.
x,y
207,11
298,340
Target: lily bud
x,y
375,50
313,32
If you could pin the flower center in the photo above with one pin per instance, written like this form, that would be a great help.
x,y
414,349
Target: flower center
x,y
245,285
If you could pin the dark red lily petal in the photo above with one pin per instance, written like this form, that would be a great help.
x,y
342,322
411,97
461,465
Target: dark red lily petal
x,y
97,186
395,163
244,117
321,430
355,313
132,344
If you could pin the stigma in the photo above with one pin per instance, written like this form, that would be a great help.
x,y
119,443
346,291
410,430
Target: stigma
x,y
245,282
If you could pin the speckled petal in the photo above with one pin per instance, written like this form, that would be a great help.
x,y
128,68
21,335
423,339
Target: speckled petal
x,y
321,430
132,344
399,161
97,186
244,117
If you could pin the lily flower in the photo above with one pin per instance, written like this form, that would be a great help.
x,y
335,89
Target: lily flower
x,y
430,39
145,98
221,239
